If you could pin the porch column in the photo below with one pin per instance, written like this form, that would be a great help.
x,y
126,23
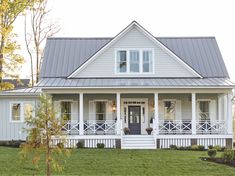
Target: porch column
x,y
118,113
194,113
156,112
81,122
229,114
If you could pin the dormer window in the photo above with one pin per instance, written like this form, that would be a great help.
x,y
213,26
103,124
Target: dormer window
x,y
134,61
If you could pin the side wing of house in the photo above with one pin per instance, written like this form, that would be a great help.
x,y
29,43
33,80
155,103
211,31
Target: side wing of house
x,y
135,45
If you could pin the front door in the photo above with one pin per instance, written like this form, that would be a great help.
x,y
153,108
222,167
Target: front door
x,y
134,119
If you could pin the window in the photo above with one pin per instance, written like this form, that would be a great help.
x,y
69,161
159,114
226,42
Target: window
x,y
169,110
134,61
204,110
20,110
122,61
16,112
66,110
100,110
28,110
147,61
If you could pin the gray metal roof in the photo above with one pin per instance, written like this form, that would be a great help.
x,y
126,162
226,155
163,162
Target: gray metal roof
x,y
135,82
64,55
18,92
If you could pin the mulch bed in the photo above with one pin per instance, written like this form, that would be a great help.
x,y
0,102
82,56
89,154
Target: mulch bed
x,y
219,161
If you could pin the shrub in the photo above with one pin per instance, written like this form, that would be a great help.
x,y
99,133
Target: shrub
x,y
13,143
173,147
210,146
211,153
223,148
194,147
3,143
80,144
182,148
228,155
201,148
217,147
60,145
100,145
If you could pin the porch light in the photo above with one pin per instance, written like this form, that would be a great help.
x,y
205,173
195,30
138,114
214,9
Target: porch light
x,y
114,107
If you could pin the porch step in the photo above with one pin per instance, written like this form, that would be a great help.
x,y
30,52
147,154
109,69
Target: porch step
x,y
138,142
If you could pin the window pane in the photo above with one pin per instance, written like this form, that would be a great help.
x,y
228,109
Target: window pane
x,y
147,61
28,110
169,110
134,61
204,110
100,110
15,111
66,110
121,61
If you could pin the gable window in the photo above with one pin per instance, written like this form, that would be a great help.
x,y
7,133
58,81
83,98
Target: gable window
x,y
169,110
20,110
147,61
134,61
122,61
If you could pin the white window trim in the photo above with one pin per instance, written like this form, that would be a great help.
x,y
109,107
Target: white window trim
x,y
22,103
128,61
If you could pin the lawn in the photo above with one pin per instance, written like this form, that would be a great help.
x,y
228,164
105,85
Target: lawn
x,y
121,162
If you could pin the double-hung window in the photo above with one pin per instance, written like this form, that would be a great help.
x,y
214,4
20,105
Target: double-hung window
x,y
134,61
20,110
169,110
204,110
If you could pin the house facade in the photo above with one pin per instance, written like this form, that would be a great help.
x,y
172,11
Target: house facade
x,y
177,86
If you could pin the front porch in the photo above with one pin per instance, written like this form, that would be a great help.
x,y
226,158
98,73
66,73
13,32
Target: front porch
x,y
167,114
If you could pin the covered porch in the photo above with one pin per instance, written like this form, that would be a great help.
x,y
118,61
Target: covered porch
x,y
168,113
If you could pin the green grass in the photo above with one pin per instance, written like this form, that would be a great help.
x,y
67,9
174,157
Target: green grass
x,y
120,162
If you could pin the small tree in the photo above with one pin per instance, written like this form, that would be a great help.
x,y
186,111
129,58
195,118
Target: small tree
x,y
41,130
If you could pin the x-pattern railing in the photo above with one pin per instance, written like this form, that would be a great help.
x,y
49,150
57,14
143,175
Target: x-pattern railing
x,y
100,126
211,127
175,127
71,127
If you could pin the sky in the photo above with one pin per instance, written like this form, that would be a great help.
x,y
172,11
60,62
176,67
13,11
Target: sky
x,y
163,18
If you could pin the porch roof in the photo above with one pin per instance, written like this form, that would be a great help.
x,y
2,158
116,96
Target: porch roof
x,y
135,82
22,92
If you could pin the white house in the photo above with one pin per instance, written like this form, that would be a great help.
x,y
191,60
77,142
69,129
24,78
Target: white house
x,y
179,86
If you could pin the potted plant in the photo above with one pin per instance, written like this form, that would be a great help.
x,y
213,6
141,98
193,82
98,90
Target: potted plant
x,y
149,130
126,130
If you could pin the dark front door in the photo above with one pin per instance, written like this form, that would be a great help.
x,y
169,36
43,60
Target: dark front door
x,y
134,119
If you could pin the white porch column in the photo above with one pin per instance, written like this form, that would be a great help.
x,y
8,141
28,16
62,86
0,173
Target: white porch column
x,y
194,113
156,112
81,122
229,114
118,99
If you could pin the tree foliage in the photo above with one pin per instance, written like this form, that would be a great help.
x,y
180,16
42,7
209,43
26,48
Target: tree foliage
x,y
10,61
41,129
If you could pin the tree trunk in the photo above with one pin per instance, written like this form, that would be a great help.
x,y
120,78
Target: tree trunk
x,y
1,62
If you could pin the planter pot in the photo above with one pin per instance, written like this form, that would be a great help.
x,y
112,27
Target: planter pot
x,y
149,132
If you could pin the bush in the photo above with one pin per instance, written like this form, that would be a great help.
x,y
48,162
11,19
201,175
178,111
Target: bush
x,y
211,153
173,147
217,147
60,145
223,148
13,143
201,148
228,155
194,147
100,145
80,144
210,146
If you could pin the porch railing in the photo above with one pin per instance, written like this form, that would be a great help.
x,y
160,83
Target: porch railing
x,y
211,127
71,127
175,127
100,127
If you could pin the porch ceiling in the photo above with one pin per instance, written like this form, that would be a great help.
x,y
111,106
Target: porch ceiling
x,y
136,82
